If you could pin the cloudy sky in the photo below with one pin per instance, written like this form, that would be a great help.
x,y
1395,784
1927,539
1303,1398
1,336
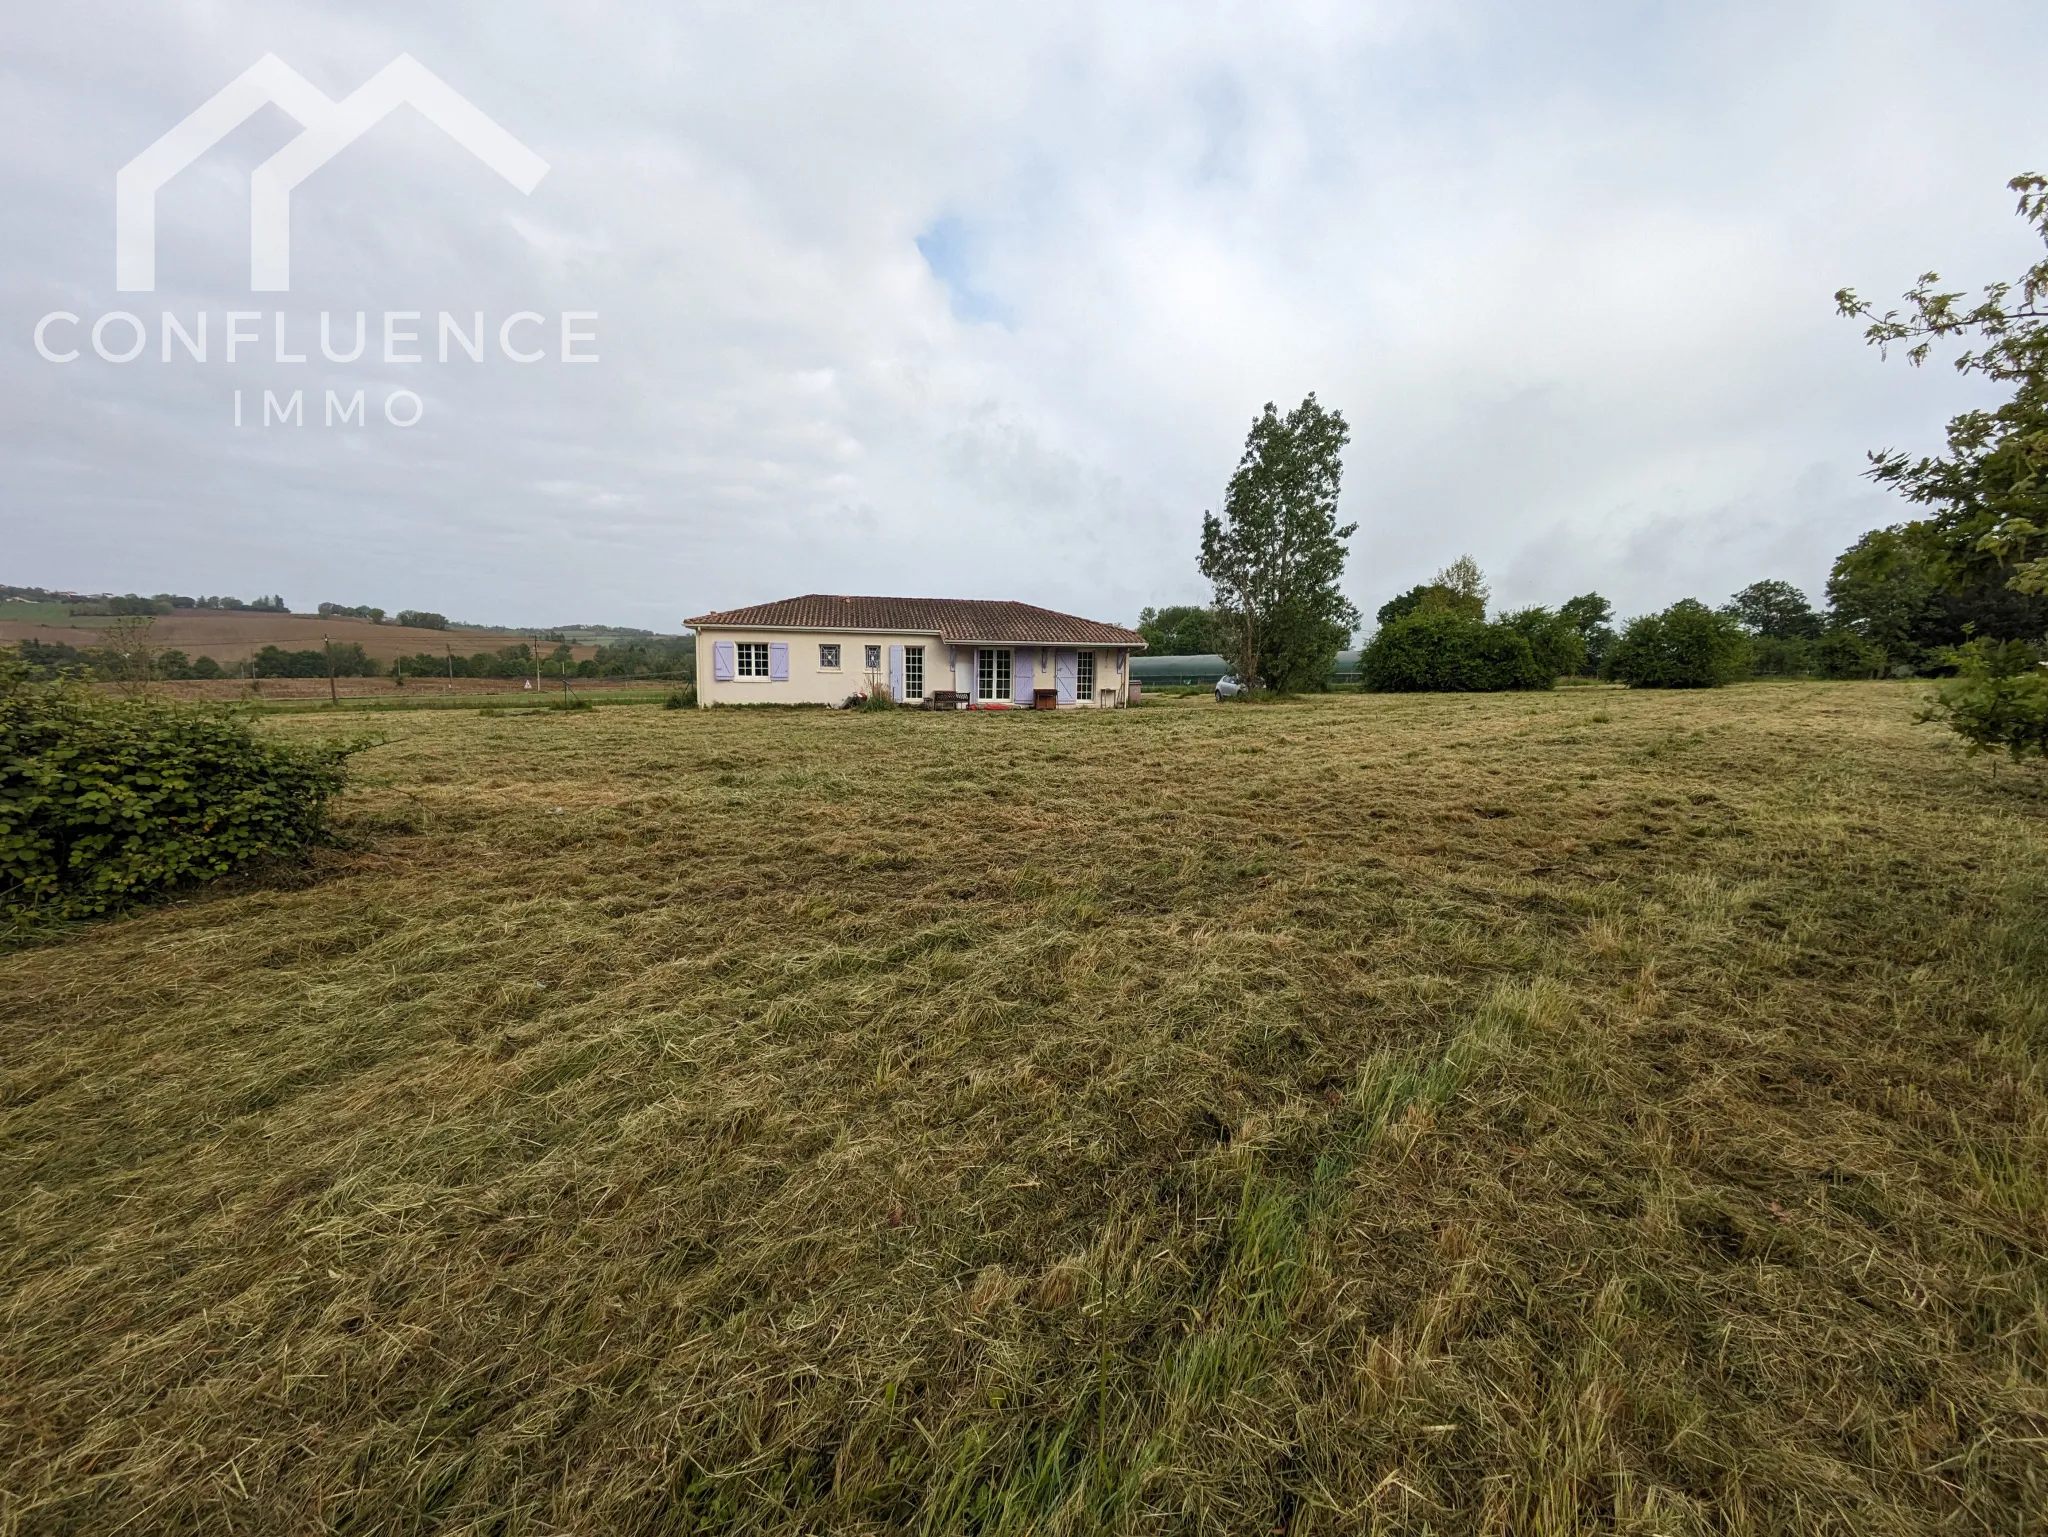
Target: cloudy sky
x,y
979,301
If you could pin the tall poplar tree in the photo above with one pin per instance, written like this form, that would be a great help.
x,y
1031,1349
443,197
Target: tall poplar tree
x,y
1276,554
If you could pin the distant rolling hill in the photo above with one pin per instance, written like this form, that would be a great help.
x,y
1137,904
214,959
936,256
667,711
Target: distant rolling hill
x,y
235,635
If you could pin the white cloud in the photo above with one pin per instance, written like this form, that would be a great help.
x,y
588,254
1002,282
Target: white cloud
x,y
1566,270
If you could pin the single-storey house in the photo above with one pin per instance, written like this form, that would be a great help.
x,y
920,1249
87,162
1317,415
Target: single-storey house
x,y
822,648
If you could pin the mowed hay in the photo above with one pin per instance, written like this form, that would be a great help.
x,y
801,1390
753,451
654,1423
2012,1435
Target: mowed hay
x,y
1584,1112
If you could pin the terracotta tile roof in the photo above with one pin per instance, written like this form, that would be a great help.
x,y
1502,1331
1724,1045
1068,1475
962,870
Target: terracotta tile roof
x,y
957,621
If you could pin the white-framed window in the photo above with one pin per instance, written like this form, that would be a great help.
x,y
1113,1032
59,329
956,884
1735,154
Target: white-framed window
x,y
874,658
913,672
1084,676
992,673
828,657
752,657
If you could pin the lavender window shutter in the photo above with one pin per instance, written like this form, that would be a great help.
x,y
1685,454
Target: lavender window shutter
x,y
896,673
778,662
722,664
1020,674
1066,674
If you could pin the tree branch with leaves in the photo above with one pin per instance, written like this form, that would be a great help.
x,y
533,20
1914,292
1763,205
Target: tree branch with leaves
x,y
1990,490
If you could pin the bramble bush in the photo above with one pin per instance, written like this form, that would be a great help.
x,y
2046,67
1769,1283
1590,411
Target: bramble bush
x,y
1438,650
107,801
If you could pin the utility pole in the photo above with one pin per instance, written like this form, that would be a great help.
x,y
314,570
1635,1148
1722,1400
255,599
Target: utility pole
x,y
450,649
333,695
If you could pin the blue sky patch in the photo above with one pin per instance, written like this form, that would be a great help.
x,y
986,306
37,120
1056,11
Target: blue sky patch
x,y
948,248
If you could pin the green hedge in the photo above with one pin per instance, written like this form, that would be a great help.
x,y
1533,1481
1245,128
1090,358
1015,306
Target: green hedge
x,y
106,801
1438,651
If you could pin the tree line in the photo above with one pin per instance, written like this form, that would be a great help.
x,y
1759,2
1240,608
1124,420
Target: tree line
x,y
117,605
660,656
405,619
1961,591
126,655
1437,637
1931,597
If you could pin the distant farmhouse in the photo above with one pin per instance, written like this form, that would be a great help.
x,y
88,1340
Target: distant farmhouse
x,y
822,649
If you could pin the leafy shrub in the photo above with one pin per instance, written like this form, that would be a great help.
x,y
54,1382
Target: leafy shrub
x,y
1558,646
1999,701
1836,653
876,698
1842,653
1431,595
105,801
1441,650
1778,656
1588,614
684,698
1687,646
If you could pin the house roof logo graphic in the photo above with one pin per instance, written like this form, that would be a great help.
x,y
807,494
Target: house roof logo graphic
x,y
330,127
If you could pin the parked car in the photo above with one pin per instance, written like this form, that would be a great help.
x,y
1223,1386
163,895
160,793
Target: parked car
x,y
1227,687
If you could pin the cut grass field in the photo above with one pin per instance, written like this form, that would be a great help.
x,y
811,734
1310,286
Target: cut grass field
x,y
1520,1114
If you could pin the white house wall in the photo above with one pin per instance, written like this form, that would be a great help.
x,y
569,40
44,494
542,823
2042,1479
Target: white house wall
x,y
811,683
